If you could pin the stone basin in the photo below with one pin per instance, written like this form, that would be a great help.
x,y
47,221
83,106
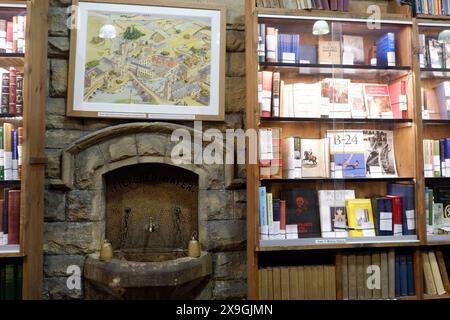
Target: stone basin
x,y
147,274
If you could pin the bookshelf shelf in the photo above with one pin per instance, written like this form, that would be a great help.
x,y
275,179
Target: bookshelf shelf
x,y
436,297
432,122
7,251
438,239
286,181
335,120
348,71
434,73
432,17
16,60
437,179
337,243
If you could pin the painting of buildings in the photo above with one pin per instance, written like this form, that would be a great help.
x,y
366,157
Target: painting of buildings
x,y
150,59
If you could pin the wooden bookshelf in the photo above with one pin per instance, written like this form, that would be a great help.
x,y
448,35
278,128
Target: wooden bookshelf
x,y
408,134
34,65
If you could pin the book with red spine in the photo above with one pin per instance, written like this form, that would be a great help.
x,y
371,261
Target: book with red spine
x,y
397,214
12,90
283,219
14,217
267,83
397,95
9,37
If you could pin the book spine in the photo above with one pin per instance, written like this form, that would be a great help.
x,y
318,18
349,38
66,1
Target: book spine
x,y
410,275
442,157
282,219
9,37
5,93
263,213
275,234
403,276
12,90
5,215
15,34
2,156
447,156
436,159
262,42
14,217
15,155
267,82
7,137
19,151
2,36
19,93
276,94
271,44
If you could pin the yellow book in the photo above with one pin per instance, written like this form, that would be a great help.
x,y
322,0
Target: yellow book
x,y
360,218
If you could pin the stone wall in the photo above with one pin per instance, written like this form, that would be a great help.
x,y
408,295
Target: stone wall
x,y
69,225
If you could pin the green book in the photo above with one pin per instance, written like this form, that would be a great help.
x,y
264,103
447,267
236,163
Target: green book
x,y
2,155
9,282
430,207
18,281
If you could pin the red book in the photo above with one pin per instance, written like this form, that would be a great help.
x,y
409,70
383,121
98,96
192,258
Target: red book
x,y
12,90
14,217
397,214
266,108
397,95
283,217
9,36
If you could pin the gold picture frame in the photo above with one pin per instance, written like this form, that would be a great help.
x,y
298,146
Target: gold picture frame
x,y
147,59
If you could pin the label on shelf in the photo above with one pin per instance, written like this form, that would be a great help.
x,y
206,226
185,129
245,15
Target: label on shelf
x,y
331,241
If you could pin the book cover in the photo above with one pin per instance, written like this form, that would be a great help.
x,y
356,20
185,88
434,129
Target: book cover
x,y
306,95
315,158
335,96
14,217
356,100
308,54
333,215
377,100
396,204
406,191
352,164
271,44
360,218
384,216
263,225
302,210
379,153
430,287
329,52
386,50
436,54
352,49
292,158
443,98
441,195
347,153
398,99
436,273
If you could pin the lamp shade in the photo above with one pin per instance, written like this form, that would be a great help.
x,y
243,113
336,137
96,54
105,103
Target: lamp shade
x,y
320,28
108,31
444,36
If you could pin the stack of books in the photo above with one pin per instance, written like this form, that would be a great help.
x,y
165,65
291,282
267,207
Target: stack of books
x,y
12,92
305,213
436,281
432,7
12,35
396,273
436,102
335,5
341,154
330,98
11,140
437,208
10,217
10,281
436,157
311,282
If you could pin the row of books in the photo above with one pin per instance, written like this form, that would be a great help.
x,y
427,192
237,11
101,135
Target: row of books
x,y
10,217
436,281
330,98
437,209
341,154
277,47
335,5
433,53
436,101
12,35
11,141
305,213
12,92
432,7
436,157
10,281
309,282
396,275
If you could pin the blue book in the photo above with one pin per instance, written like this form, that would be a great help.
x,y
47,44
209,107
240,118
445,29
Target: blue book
x,y
384,217
386,50
410,267
417,7
397,276
406,191
353,164
308,54
403,276
447,155
263,211
442,156
296,46
431,6
276,210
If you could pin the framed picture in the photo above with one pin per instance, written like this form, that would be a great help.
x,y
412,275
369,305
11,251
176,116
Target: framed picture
x,y
147,59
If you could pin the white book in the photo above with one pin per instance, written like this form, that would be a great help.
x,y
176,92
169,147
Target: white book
x,y
307,100
315,158
333,217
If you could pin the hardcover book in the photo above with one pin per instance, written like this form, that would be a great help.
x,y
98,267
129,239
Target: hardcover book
x,y
329,52
406,191
379,153
302,210
347,153
315,158
333,213
360,218
386,50
377,100
435,53
308,54
353,48
356,100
